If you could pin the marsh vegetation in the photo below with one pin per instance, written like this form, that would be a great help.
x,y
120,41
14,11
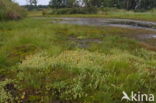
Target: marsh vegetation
x,y
42,61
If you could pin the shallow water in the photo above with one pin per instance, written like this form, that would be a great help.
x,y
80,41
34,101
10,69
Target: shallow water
x,y
124,23
84,43
148,36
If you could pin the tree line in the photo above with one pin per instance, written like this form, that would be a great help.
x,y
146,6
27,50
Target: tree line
x,y
121,4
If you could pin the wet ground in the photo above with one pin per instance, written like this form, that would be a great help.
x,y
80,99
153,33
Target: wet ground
x,y
84,43
123,23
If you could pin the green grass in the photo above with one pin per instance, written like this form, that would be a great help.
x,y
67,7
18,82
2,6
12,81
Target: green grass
x,y
41,62
119,15
108,13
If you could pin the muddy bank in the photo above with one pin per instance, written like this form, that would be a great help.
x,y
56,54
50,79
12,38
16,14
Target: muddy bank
x,y
146,36
127,23
84,43
123,23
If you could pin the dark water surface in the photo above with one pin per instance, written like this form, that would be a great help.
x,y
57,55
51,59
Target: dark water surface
x,y
124,23
127,23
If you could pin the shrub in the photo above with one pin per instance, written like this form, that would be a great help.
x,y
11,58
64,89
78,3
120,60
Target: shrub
x,y
10,10
74,11
44,12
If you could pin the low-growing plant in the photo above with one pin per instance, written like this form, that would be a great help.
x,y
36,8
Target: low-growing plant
x,y
5,96
77,75
48,66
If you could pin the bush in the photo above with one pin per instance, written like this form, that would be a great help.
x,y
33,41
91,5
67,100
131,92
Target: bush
x,y
74,11
10,10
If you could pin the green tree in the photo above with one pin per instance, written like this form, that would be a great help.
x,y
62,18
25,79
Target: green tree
x,y
58,3
70,3
32,2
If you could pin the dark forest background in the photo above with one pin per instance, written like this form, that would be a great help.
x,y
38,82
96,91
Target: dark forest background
x,y
120,4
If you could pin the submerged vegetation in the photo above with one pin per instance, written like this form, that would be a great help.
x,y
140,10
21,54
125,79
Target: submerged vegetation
x,y
47,62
